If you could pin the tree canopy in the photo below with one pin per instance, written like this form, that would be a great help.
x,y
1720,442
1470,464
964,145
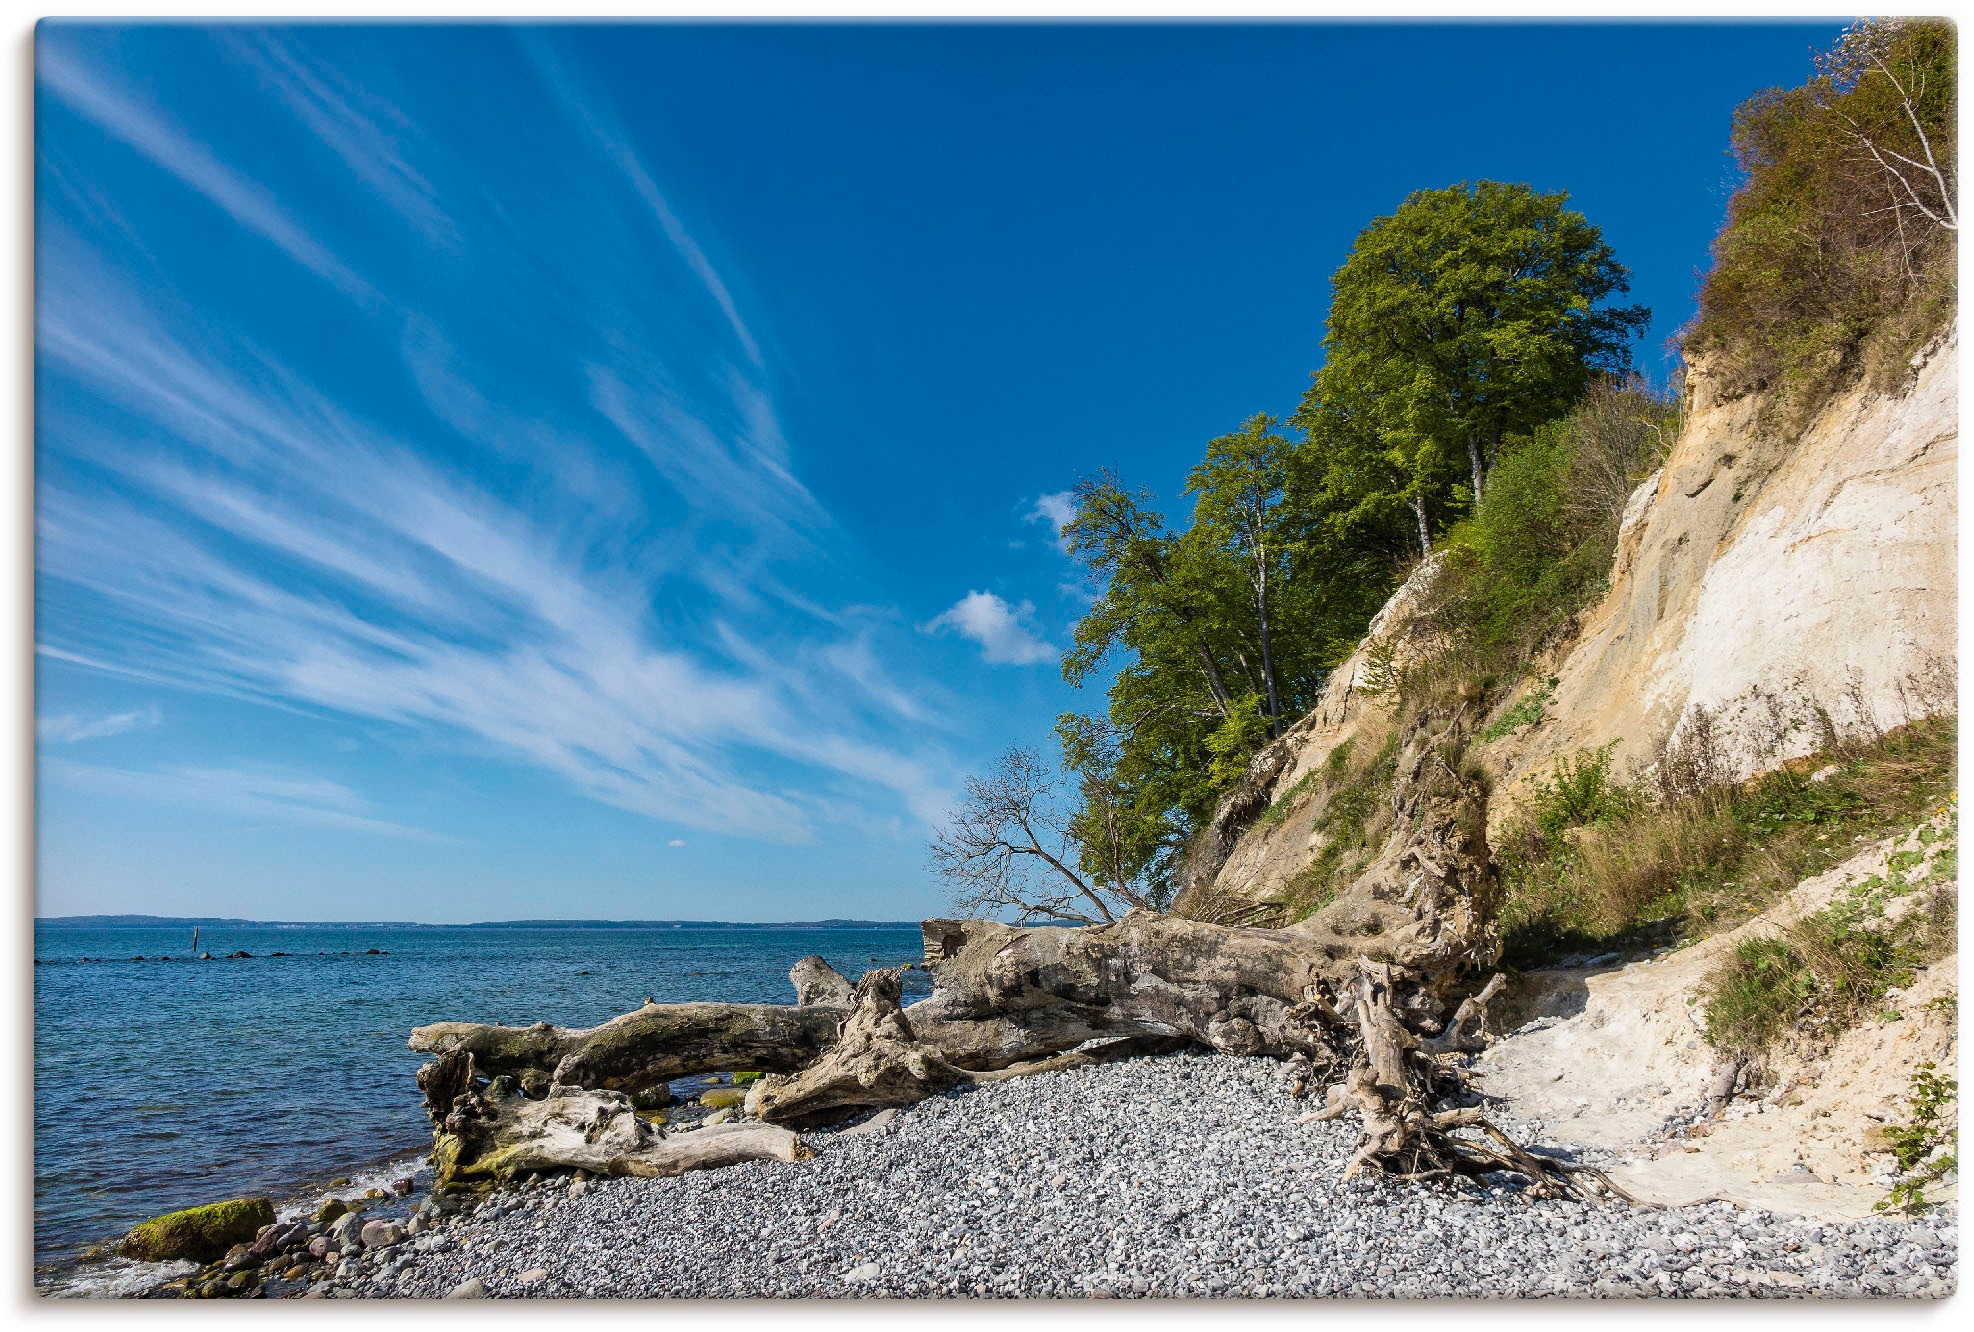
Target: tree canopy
x,y
1470,317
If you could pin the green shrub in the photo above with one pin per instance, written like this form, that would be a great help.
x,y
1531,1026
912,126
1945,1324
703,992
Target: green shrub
x,y
1752,997
1580,793
1824,253
1527,712
1834,966
1537,548
1592,864
1927,1146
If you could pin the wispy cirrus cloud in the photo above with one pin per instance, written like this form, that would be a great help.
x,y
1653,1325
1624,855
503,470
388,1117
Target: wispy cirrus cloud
x,y
268,794
583,547
999,628
70,728
364,130
119,112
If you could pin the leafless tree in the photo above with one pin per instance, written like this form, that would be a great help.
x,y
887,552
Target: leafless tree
x,y
1918,184
1620,430
1008,847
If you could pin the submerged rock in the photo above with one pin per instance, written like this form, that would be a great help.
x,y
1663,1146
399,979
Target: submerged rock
x,y
201,1234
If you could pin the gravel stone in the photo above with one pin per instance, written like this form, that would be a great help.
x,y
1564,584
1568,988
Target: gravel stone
x,y
1183,1176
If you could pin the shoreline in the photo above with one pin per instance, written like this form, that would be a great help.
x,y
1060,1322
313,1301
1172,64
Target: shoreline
x,y
79,1276
1177,1176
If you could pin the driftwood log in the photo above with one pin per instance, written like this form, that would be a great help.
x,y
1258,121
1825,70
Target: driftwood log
x,y
1357,997
492,1131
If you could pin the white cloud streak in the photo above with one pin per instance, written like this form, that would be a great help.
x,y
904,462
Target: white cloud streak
x,y
624,630
70,729
363,130
479,621
1000,629
588,111
193,165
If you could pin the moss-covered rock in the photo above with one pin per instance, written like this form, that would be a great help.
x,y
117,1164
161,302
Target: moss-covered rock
x,y
719,1098
330,1210
199,1233
446,1153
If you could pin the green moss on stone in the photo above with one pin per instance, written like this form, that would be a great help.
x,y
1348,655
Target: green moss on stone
x,y
201,1234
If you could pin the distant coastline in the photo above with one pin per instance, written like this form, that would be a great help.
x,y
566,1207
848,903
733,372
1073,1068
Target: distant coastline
x,y
234,922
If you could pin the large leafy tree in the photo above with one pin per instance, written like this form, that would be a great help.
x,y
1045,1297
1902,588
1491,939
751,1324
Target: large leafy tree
x,y
1470,314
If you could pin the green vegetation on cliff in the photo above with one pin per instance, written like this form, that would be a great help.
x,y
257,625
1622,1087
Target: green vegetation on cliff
x,y
1476,406
1462,328
1838,252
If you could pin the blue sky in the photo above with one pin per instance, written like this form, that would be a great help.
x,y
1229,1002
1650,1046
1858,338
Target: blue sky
x,y
608,471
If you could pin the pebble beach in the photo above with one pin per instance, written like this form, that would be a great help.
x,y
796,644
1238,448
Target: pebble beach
x,y
1184,1176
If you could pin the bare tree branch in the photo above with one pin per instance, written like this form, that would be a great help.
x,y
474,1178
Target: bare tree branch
x,y
1008,847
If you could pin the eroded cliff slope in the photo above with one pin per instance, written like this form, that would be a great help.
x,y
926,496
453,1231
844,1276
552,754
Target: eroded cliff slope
x,y
1756,578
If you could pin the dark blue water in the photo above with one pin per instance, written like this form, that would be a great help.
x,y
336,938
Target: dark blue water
x,y
159,1085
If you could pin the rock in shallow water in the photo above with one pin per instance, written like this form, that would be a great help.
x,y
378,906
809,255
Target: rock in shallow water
x,y
201,1234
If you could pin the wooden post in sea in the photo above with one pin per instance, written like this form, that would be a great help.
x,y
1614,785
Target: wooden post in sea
x,y
195,943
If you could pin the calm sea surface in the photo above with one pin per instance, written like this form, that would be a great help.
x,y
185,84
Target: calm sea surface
x,y
163,1084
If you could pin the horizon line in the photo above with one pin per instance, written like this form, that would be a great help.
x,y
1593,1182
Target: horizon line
x,y
138,919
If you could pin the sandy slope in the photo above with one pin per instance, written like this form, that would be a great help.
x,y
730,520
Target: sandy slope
x,y
1615,1059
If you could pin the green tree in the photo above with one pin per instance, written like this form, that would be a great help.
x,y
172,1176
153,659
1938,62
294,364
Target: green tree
x,y
1470,314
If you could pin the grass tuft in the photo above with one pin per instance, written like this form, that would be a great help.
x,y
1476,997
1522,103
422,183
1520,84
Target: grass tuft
x,y
1594,865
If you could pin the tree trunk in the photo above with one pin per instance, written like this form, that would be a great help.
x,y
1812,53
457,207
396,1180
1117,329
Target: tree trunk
x,y
490,1131
1267,649
1214,684
650,1047
1425,536
1474,460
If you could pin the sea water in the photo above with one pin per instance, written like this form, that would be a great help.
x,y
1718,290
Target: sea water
x,y
163,1084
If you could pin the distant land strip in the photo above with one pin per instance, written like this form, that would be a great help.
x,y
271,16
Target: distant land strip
x,y
187,922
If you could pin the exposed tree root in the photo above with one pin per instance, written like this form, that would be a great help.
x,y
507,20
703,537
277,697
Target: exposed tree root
x,y
1401,1077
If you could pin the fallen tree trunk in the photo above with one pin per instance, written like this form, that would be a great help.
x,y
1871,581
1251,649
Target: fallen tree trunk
x,y
651,1046
1356,995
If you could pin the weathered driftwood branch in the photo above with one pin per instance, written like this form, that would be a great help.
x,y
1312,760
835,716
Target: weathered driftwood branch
x,y
653,1045
1402,1077
490,1131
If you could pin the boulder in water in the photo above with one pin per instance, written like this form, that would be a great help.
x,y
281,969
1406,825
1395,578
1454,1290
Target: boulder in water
x,y
201,1234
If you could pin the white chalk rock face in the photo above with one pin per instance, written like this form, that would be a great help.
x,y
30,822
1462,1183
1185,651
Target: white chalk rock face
x,y
1817,569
